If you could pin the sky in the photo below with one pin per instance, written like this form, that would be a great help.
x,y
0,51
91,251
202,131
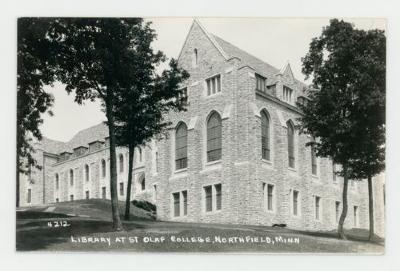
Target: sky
x,y
273,40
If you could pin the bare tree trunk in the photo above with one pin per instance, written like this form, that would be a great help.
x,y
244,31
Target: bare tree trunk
x,y
117,225
371,208
128,190
345,207
17,179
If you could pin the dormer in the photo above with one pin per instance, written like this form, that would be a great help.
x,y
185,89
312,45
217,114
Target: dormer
x,y
302,100
95,145
64,156
79,151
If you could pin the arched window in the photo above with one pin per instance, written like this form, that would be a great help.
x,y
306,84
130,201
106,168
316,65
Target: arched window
x,y
265,136
140,154
181,146
195,58
214,137
290,139
86,173
71,177
313,161
57,182
121,163
103,168
142,182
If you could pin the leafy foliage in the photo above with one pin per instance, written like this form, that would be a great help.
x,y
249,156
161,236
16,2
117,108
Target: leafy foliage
x,y
346,110
35,69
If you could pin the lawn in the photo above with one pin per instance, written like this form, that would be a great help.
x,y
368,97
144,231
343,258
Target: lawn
x,y
88,227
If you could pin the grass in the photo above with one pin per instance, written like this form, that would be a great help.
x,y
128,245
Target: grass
x,y
33,233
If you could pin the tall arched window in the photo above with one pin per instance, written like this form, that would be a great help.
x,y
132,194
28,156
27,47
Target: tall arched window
x,y
290,139
181,146
142,182
265,136
57,182
121,163
71,177
214,137
103,168
86,173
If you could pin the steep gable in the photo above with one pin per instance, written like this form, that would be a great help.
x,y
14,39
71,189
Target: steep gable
x,y
196,29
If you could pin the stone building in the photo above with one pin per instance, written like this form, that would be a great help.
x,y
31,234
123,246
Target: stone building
x,y
235,156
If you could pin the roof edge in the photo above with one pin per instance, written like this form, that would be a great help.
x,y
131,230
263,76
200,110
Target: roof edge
x,y
210,37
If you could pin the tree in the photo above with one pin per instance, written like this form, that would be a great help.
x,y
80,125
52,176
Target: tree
x,y
94,57
141,107
346,110
35,69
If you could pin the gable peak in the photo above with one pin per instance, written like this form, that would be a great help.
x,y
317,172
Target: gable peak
x,y
208,35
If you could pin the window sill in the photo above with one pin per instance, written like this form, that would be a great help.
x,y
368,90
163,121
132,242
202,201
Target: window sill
x,y
178,175
180,217
179,171
212,95
212,212
267,163
293,170
315,176
272,212
213,162
210,166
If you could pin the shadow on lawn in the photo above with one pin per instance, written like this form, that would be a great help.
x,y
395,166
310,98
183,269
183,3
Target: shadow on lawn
x,y
28,233
360,235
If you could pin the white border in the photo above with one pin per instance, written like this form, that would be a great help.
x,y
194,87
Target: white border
x,y
107,261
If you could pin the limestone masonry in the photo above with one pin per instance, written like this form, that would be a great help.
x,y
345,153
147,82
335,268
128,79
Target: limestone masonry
x,y
235,156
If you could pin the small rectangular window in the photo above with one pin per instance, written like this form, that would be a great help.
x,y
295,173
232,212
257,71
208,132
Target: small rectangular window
x,y
184,196
176,204
213,85
87,194
218,195
317,208
313,161
270,199
29,196
334,172
183,96
121,189
337,210
155,192
355,216
260,83
295,202
208,197
103,192
287,94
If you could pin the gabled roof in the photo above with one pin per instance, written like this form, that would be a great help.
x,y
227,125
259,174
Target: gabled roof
x,y
260,66
82,139
88,135
52,146
208,35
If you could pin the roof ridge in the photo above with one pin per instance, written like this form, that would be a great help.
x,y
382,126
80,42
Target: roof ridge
x,y
85,129
249,54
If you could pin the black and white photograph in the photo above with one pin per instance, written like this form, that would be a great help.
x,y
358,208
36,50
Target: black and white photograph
x,y
216,135
199,135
